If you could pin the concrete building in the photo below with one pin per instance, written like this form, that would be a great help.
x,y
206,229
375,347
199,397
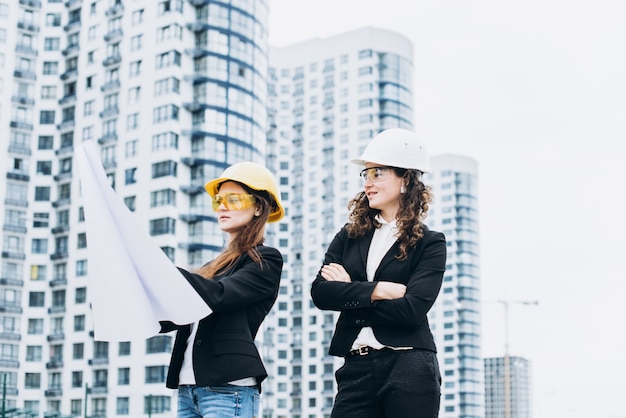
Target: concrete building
x,y
455,317
518,404
173,91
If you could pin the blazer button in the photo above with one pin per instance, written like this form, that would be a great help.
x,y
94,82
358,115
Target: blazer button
x,y
198,342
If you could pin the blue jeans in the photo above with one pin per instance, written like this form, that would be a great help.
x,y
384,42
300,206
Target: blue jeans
x,y
226,401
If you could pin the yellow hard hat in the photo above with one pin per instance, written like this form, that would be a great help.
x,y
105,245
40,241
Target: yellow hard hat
x,y
256,177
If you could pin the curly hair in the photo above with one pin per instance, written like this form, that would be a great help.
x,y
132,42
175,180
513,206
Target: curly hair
x,y
412,211
246,241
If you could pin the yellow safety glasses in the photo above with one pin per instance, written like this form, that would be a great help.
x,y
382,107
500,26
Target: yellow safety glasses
x,y
233,201
375,174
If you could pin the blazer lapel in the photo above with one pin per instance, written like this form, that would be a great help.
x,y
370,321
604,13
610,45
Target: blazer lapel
x,y
364,246
390,255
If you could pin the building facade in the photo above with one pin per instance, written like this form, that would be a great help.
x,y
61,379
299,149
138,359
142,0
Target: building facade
x,y
455,317
173,91
519,387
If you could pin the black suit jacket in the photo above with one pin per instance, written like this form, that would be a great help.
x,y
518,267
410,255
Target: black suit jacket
x,y
397,323
240,298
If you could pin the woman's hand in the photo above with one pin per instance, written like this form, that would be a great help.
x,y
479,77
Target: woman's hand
x,y
334,272
388,291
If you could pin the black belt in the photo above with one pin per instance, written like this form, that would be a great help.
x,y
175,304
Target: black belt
x,y
364,351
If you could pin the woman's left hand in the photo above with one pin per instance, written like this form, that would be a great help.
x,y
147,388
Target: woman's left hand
x,y
334,272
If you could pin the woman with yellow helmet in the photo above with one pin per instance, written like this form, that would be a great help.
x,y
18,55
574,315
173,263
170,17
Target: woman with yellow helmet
x,y
215,364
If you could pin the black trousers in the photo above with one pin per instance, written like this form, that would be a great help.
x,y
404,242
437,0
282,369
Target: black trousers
x,y
389,384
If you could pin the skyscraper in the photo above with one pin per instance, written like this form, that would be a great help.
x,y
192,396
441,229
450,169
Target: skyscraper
x,y
173,91
519,401
329,97
455,317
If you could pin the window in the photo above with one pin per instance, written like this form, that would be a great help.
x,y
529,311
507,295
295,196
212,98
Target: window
x,y
78,351
164,141
162,226
79,323
36,299
32,380
50,67
77,379
163,169
51,44
132,121
122,406
159,344
163,113
123,376
35,326
137,16
33,353
89,107
134,94
129,175
155,374
48,92
39,246
135,68
163,198
168,6
81,268
168,58
46,117
135,42
42,193
44,168
124,349
81,241
81,295
156,404
130,202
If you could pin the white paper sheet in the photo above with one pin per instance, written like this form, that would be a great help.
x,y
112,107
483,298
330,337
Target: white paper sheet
x,y
132,284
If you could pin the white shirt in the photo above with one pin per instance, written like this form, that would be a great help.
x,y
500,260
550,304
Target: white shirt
x,y
384,237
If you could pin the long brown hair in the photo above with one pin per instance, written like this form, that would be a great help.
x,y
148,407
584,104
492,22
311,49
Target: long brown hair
x,y
245,242
412,211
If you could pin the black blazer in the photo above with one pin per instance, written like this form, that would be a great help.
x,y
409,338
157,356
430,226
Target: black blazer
x,y
240,298
397,323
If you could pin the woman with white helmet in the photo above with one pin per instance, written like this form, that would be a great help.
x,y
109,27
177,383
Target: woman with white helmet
x,y
383,272
215,364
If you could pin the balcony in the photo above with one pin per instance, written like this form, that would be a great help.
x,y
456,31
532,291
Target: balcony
x,y
110,85
70,4
54,392
10,336
69,74
10,307
66,125
15,175
70,98
99,361
54,363
109,112
112,60
107,138
26,126
73,25
70,50
23,100
58,336
66,201
13,255
114,35
28,26
61,228
7,281
115,10
59,255
36,4
25,74
57,282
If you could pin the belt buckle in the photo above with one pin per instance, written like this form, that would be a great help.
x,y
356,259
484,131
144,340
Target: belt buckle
x,y
363,351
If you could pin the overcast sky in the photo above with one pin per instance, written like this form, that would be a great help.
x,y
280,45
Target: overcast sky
x,y
535,91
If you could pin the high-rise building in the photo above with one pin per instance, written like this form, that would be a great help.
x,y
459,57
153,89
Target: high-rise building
x,y
329,97
518,394
455,317
173,91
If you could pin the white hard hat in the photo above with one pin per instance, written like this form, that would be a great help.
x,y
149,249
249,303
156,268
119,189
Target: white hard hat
x,y
396,147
